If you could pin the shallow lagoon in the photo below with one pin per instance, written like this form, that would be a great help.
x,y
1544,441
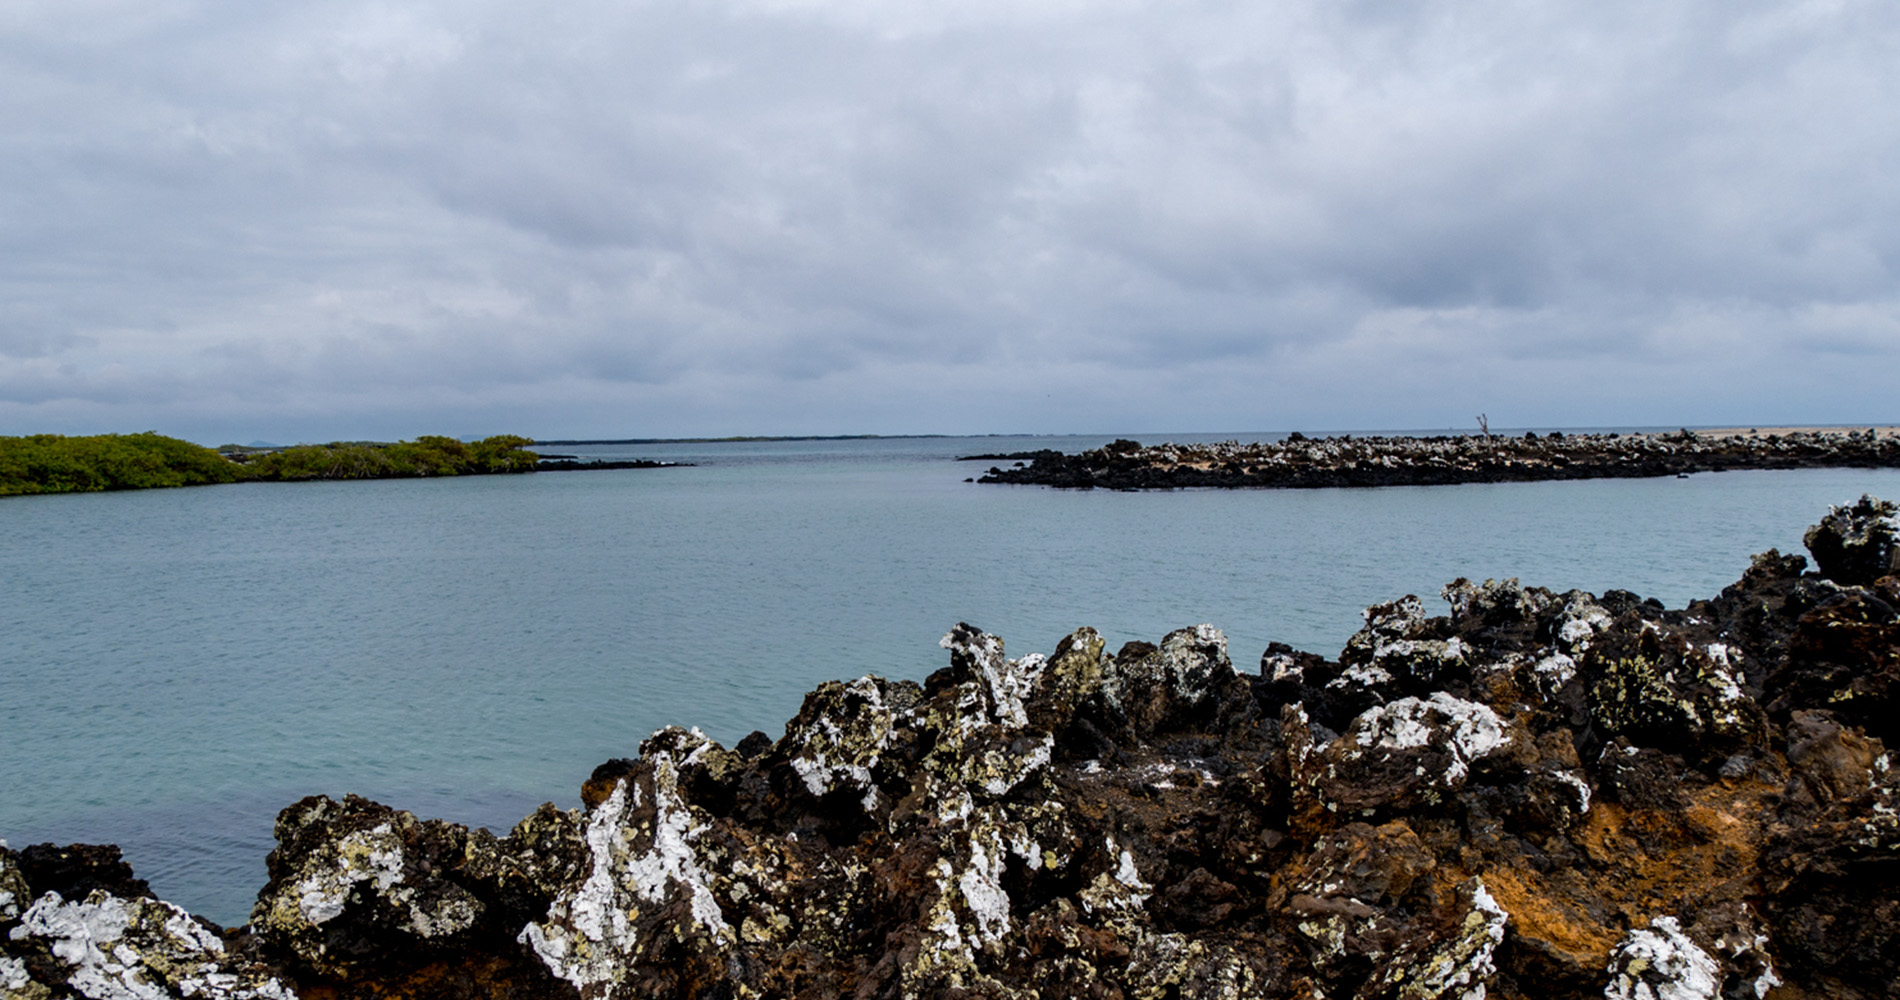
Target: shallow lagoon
x,y
181,664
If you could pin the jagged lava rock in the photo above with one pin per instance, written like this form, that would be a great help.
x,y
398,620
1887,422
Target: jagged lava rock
x,y
74,922
1300,462
1855,545
1536,794
364,896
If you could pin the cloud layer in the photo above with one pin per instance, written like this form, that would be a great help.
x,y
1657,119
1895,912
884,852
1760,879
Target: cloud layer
x,y
341,218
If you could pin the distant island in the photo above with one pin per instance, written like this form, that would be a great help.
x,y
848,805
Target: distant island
x,y
1300,462
55,463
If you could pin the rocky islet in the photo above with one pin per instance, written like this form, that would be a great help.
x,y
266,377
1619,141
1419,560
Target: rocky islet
x,y
1533,795
1300,462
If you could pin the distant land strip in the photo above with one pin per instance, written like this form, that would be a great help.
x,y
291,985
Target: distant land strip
x,y
55,463
754,437
1300,462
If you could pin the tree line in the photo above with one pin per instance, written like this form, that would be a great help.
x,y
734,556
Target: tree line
x,y
56,463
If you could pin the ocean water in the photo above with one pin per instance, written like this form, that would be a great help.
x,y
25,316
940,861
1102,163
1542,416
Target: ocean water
x,y
178,665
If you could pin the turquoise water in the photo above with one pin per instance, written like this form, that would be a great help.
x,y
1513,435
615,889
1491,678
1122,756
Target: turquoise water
x,y
178,665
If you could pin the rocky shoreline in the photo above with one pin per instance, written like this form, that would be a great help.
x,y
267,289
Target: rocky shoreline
x,y
1300,462
569,463
1533,795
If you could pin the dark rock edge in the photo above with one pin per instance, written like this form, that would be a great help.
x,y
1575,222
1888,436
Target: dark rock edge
x,y
1300,462
567,464
1536,795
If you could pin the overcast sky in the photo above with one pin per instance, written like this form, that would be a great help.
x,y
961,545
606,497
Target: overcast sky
x,y
231,220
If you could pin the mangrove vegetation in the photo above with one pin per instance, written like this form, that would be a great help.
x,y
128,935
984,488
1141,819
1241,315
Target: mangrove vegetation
x,y
55,463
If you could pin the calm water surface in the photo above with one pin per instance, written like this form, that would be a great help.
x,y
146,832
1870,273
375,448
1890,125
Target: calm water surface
x,y
178,665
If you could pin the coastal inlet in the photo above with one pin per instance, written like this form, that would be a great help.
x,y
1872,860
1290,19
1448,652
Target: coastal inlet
x,y
1533,794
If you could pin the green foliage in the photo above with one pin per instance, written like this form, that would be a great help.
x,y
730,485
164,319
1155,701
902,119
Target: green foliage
x,y
54,463
428,455
503,453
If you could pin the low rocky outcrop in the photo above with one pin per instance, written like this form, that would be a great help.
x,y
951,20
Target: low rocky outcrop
x,y
1534,794
76,923
1300,462
568,463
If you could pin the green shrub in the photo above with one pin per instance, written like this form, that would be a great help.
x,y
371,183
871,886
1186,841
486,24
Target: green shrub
x,y
428,455
54,463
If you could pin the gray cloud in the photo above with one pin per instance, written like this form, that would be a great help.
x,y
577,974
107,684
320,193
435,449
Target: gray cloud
x,y
245,220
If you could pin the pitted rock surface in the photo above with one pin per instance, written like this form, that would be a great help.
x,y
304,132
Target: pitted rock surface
x,y
1535,794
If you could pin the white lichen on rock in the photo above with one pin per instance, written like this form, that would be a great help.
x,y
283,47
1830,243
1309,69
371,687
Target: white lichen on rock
x,y
1469,600
585,927
373,855
135,949
1011,769
1881,830
1747,951
1392,620
1137,824
1671,679
1552,672
372,859
982,887
1461,966
970,911
839,739
13,889
1282,668
13,976
1361,675
1723,673
1580,622
1660,962
592,928
1466,731
1005,684
1121,889
1858,543
671,860
1396,642
1575,779
1185,670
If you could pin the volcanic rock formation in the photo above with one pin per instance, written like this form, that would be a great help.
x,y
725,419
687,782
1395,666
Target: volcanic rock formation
x,y
1533,795
1300,462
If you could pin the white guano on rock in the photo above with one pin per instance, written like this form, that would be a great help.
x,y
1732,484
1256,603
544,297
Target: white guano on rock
x,y
12,974
1462,966
371,855
138,949
1466,730
590,931
585,928
1661,963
